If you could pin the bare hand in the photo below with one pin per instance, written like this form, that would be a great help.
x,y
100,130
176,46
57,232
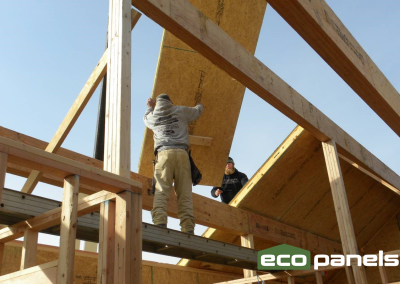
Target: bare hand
x,y
150,103
218,192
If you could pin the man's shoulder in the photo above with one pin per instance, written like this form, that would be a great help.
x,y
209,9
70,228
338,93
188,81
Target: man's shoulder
x,y
240,173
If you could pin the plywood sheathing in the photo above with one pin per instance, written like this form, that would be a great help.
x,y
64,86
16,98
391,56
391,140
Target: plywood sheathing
x,y
294,189
188,78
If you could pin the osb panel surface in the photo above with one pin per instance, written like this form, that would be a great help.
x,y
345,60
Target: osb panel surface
x,y
296,191
188,79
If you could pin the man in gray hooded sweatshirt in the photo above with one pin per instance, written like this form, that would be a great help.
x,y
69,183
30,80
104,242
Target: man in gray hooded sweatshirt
x,y
171,142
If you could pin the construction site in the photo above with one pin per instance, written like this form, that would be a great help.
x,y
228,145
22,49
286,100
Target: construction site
x,y
319,190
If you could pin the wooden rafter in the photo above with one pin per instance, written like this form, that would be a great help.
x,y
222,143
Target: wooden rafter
x,y
191,26
336,45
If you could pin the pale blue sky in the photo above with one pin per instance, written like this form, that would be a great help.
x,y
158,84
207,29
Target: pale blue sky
x,y
49,48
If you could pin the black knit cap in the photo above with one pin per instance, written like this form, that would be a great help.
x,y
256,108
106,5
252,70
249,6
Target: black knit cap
x,y
164,96
230,160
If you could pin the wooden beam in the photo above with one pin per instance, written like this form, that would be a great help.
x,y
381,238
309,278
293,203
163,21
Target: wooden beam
x,y
342,208
75,111
382,273
191,26
322,29
248,242
56,165
318,277
29,249
105,271
135,16
69,220
199,140
128,239
290,280
45,274
3,170
51,218
208,212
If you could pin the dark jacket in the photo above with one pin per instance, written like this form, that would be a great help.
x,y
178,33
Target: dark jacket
x,y
231,185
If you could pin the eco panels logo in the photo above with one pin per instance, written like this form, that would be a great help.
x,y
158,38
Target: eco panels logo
x,y
284,257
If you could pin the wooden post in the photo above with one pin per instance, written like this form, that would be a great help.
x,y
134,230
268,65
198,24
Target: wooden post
x,y
118,102
106,243
65,271
383,274
128,221
318,277
248,242
291,280
3,170
342,209
29,249
128,238
1,255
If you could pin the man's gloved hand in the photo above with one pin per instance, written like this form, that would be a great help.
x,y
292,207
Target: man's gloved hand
x,y
150,103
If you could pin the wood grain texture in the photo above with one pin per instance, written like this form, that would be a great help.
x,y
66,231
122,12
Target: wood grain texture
x,y
3,170
189,78
248,242
117,137
68,227
128,239
29,249
342,208
193,27
105,264
336,45
44,273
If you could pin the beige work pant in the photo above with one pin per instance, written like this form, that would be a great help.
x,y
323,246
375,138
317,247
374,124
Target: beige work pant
x,y
173,165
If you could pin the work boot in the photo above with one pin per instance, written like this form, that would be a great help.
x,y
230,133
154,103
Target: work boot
x,y
190,232
162,225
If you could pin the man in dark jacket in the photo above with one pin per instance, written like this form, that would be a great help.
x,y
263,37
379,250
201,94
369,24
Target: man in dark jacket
x,y
231,184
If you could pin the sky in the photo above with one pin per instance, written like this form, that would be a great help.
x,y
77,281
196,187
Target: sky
x,y
49,48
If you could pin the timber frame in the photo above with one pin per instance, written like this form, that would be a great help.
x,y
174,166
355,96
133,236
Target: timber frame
x,y
117,192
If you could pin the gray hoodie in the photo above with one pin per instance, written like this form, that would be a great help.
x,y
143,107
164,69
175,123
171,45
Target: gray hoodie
x,y
170,124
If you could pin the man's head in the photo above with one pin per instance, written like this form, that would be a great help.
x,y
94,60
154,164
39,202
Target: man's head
x,y
164,96
230,166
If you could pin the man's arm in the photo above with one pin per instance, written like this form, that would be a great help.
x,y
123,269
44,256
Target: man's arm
x,y
216,191
244,180
193,113
150,104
